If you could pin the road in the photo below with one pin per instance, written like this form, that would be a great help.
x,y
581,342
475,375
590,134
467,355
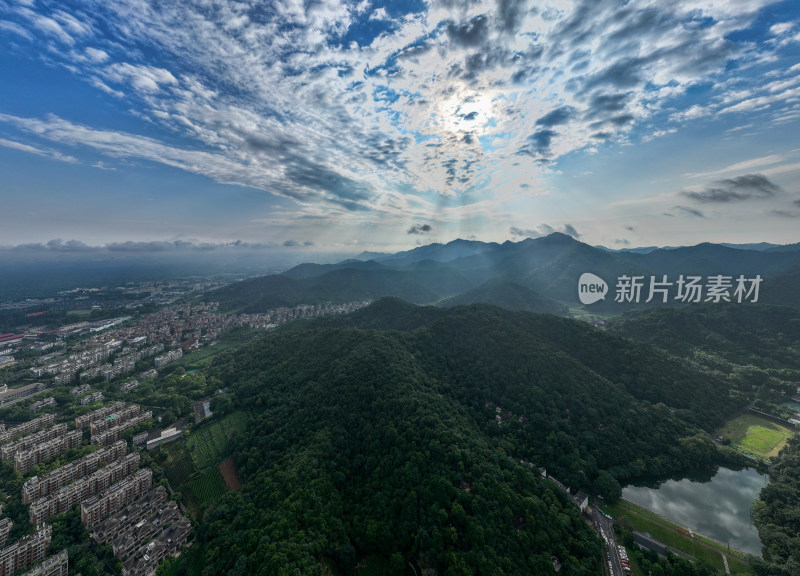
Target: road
x,y
646,541
613,562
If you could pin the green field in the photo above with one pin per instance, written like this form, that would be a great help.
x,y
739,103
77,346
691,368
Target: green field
x,y
85,312
756,436
204,356
210,443
208,488
178,466
667,532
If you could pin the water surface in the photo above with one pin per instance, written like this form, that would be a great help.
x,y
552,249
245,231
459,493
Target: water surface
x,y
719,508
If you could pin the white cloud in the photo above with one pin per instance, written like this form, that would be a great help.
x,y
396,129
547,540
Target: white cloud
x,y
379,14
38,151
15,29
440,110
96,55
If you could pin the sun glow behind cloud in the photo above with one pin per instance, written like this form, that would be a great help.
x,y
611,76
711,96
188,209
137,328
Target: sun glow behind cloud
x,y
369,114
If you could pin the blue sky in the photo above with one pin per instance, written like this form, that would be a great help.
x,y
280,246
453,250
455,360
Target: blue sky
x,y
350,125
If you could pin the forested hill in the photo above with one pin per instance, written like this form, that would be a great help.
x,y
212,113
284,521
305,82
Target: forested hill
x,y
762,335
400,432
777,515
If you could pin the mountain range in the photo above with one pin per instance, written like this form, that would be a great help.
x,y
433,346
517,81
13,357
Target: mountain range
x,y
535,275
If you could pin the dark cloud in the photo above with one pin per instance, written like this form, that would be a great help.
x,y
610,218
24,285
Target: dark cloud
x,y
319,179
621,120
524,232
645,22
630,228
796,202
690,211
140,246
602,135
291,244
543,230
558,116
420,229
541,140
786,213
274,145
488,58
602,104
626,73
509,12
747,187
69,246
470,33
622,242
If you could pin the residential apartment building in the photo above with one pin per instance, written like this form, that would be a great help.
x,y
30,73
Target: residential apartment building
x,y
127,541
5,529
112,499
57,565
115,419
105,532
8,451
25,460
40,405
146,559
48,506
111,435
26,551
53,481
170,356
42,421
128,386
92,398
83,421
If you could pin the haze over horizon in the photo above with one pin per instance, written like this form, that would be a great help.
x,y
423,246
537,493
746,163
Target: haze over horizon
x,y
336,127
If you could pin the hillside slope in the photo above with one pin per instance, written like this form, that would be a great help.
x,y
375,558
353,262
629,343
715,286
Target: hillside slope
x,y
398,432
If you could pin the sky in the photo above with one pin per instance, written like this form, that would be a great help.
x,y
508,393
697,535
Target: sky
x,y
342,126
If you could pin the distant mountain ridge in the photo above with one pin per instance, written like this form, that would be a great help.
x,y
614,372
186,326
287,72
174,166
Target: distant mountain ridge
x,y
545,269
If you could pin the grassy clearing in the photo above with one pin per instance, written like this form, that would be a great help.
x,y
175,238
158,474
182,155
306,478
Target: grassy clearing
x,y
636,518
756,436
204,356
81,312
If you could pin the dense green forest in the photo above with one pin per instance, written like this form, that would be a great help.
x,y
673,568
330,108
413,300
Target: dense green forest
x,y
508,295
759,334
777,515
415,435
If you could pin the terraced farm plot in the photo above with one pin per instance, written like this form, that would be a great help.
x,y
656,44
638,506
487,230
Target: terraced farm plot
x,y
208,488
178,466
756,436
210,443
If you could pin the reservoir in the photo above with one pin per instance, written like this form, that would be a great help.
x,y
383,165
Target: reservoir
x,y
719,508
